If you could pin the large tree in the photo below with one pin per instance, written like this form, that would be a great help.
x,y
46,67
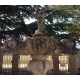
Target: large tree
x,y
61,21
12,16
64,19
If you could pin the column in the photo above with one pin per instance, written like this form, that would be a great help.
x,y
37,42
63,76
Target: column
x,y
72,64
1,61
15,64
56,64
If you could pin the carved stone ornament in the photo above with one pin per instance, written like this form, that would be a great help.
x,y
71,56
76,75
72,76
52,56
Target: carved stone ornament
x,y
33,45
68,45
39,15
39,46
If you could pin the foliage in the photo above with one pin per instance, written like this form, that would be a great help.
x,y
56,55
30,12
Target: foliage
x,y
61,21
64,18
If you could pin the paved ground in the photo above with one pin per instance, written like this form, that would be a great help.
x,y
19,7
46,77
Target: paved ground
x,y
22,71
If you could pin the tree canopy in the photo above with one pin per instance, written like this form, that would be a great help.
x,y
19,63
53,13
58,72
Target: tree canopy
x,y
61,21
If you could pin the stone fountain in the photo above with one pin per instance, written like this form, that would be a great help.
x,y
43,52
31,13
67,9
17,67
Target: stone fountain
x,y
40,46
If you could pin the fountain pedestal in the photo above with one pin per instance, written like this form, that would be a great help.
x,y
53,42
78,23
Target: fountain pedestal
x,y
39,65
